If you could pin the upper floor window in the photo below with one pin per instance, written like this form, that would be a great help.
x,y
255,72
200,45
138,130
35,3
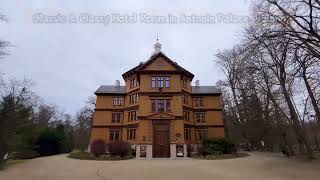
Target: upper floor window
x,y
161,105
168,105
153,81
201,117
202,134
184,83
116,117
186,115
133,98
187,134
114,135
117,101
160,81
131,134
132,115
167,81
133,83
185,99
198,101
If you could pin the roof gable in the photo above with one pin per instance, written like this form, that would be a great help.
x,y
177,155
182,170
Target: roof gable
x,y
158,61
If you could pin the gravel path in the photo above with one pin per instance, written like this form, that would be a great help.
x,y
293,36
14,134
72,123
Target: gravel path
x,y
258,166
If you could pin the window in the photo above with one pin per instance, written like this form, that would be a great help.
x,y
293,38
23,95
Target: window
x,y
114,135
187,134
153,81
132,115
153,105
201,117
168,105
160,105
116,117
160,81
133,98
202,134
186,115
167,82
185,99
117,101
133,83
131,134
198,101
184,83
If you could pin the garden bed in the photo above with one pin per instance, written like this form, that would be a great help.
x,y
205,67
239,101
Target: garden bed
x,y
89,156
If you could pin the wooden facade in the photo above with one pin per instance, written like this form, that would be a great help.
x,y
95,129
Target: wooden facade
x,y
158,111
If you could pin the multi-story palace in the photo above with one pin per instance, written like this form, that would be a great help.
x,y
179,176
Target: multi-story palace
x,y
158,111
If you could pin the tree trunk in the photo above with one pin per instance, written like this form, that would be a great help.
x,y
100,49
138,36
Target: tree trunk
x,y
301,136
312,98
2,161
316,141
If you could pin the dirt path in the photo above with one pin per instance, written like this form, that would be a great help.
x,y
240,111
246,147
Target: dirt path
x,y
258,166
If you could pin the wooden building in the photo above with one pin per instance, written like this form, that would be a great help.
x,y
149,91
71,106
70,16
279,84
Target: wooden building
x,y
158,111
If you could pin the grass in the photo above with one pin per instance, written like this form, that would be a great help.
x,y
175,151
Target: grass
x,y
12,162
221,156
88,156
317,155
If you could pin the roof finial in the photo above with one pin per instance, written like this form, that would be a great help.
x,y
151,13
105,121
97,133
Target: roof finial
x,y
157,46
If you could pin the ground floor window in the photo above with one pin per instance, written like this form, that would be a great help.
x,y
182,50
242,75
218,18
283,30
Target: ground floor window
x,y
131,134
202,134
187,134
114,135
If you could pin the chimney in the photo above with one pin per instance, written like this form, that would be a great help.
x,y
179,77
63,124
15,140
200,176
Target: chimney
x,y
117,83
197,83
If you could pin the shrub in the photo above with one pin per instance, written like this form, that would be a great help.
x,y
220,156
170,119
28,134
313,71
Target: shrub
x,y
88,156
81,155
119,148
25,154
218,146
48,143
98,147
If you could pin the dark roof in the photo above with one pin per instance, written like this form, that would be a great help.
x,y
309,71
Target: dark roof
x,y
205,90
153,57
109,89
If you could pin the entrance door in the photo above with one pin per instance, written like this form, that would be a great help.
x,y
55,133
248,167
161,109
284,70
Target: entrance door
x,y
161,138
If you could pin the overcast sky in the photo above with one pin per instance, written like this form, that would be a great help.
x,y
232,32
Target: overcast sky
x,y
68,58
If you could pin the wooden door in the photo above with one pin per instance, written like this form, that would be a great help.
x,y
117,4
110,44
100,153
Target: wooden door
x,y
161,139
